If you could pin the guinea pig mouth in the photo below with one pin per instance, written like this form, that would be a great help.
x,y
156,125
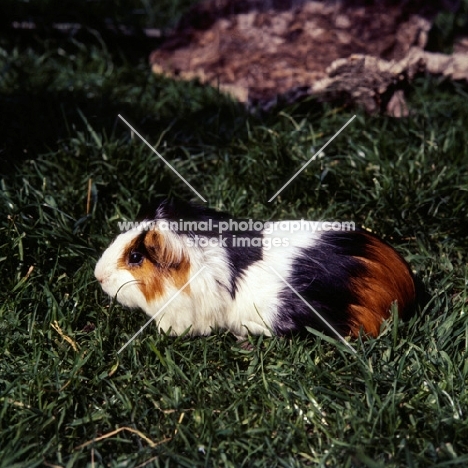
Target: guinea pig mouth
x,y
122,286
114,289
125,294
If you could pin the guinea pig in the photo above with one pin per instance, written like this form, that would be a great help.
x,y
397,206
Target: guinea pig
x,y
196,269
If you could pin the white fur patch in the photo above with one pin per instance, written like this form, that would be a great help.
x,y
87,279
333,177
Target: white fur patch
x,y
117,282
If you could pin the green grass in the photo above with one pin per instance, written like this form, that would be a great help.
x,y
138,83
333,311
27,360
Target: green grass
x,y
402,401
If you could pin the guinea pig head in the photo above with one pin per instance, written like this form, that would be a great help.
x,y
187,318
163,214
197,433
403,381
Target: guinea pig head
x,y
142,267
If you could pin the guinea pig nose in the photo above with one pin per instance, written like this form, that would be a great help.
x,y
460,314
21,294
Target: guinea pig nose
x,y
101,278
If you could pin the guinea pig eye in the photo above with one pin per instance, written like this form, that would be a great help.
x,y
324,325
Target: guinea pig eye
x,y
135,258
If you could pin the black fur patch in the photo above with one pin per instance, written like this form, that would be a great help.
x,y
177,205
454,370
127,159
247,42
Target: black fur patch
x,y
322,274
240,256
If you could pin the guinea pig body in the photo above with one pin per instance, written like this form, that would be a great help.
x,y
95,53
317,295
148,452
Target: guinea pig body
x,y
196,269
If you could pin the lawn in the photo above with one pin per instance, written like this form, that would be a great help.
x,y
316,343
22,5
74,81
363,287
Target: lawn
x,y
71,170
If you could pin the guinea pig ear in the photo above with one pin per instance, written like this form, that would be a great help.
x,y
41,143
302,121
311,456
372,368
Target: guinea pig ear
x,y
159,251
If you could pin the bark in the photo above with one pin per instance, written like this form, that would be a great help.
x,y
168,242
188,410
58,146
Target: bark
x,y
364,53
